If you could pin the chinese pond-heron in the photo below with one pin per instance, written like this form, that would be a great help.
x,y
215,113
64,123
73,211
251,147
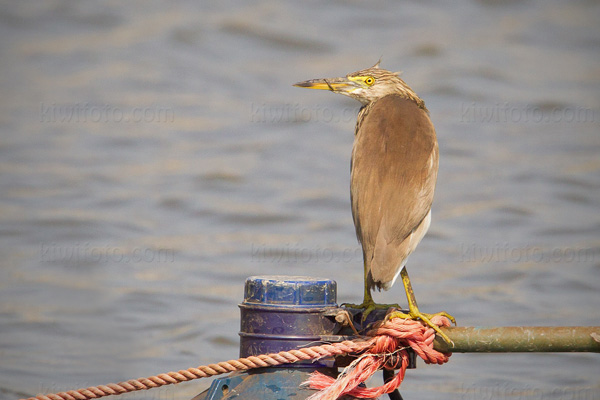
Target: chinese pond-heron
x,y
393,174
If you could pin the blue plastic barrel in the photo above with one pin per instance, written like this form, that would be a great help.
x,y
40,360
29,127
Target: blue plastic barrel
x,y
285,312
279,313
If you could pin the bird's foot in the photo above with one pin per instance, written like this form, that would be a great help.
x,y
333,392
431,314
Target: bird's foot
x,y
413,309
418,315
368,306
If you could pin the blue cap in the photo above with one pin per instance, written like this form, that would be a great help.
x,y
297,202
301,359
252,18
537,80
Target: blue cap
x,y
290,291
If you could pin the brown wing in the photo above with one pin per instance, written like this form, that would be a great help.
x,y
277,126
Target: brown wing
x,y
394,170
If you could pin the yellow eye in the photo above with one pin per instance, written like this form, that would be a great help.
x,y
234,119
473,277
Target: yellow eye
x,y
369,80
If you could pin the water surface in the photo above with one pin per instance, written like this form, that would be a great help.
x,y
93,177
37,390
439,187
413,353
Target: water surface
x,y
154,156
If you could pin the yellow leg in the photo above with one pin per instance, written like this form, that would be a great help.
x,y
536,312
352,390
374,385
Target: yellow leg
x,y
368,305
413,309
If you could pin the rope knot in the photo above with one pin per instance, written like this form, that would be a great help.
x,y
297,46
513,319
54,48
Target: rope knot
x,y
388,344
384,344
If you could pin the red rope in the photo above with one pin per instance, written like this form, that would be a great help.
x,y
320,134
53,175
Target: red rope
x,y
390,340
386,343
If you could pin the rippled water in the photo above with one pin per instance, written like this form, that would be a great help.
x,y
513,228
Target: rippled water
x,y
153,156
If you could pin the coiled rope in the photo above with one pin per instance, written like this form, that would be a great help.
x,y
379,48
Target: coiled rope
x,y
390,340
383,347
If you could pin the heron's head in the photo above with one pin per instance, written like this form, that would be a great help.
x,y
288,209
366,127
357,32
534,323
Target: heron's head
x,y
366,85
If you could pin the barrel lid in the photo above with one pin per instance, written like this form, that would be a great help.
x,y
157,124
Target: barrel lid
x,y
293,291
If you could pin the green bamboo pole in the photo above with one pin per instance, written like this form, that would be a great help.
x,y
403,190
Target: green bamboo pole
x,y
516,339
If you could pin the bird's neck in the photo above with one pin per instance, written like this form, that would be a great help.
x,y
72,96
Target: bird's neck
x,y
402,89
364,110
